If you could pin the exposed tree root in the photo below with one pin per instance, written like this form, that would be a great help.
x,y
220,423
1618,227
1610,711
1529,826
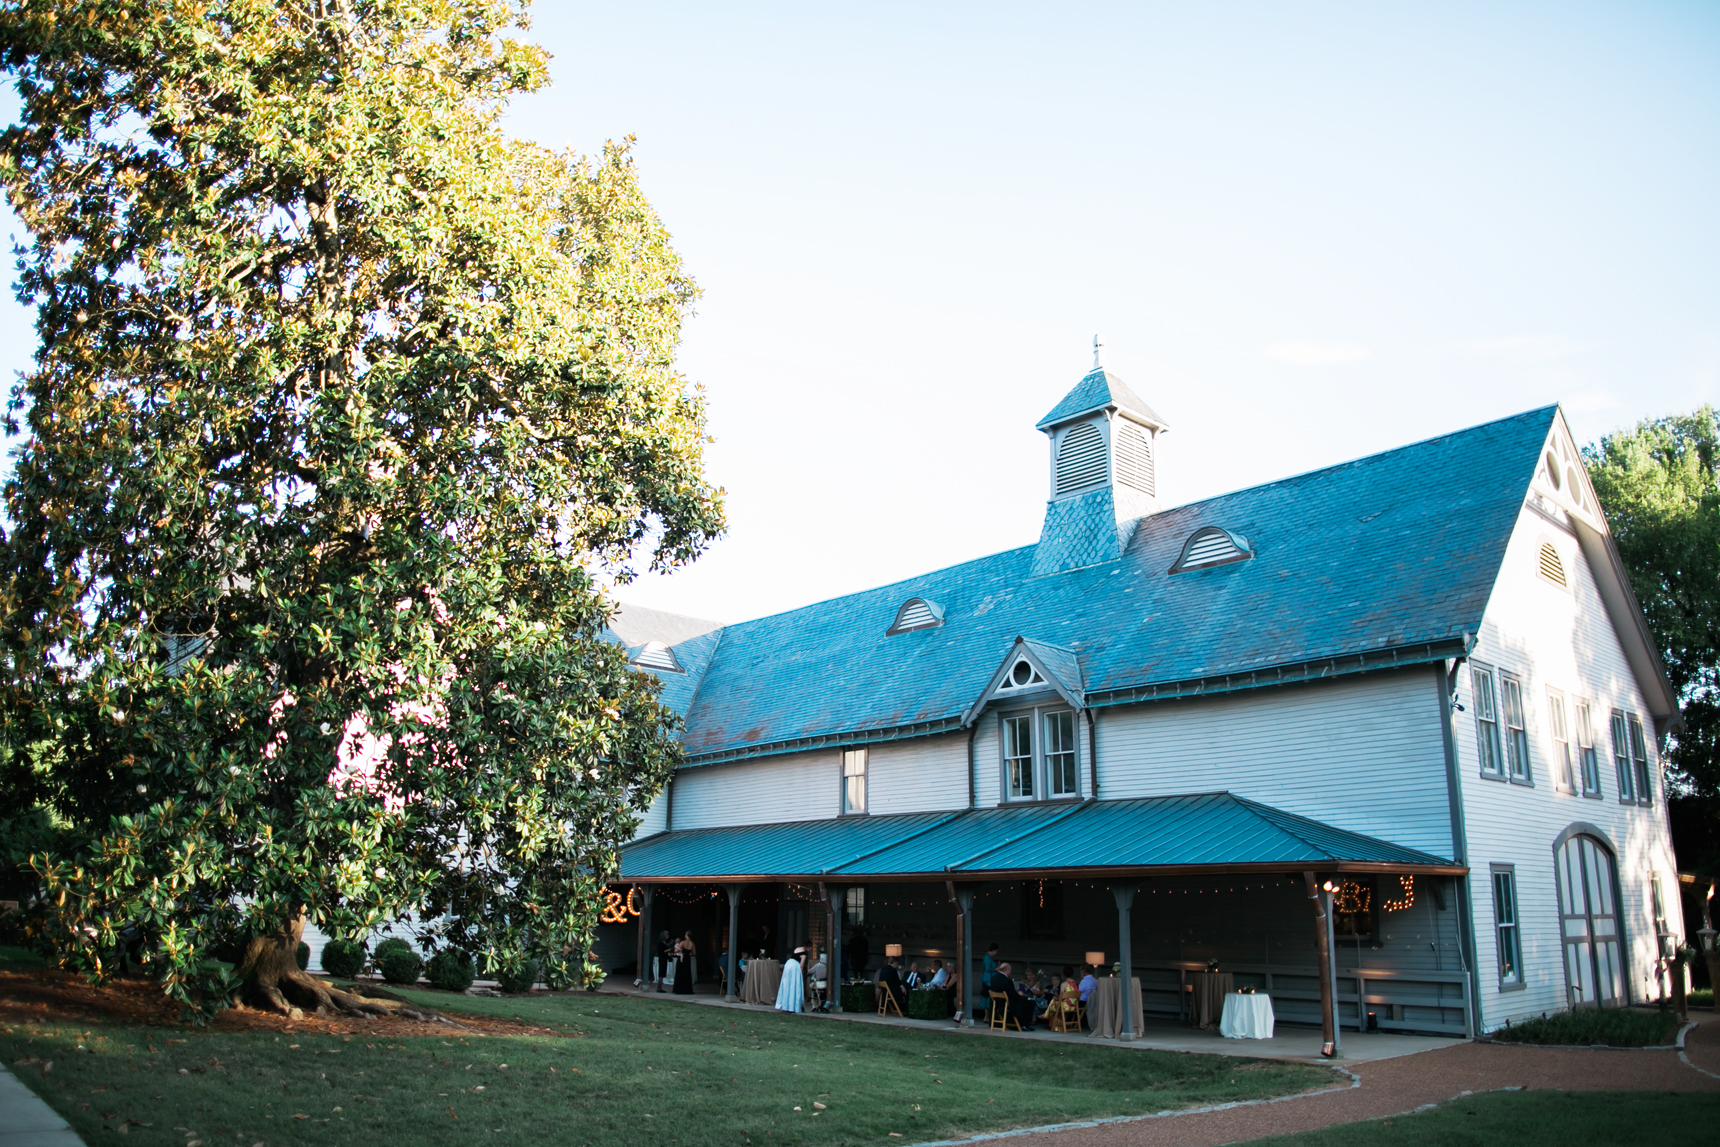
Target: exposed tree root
x,y
274,981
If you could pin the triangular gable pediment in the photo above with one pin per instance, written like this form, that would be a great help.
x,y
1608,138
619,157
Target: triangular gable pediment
x,y
1050,669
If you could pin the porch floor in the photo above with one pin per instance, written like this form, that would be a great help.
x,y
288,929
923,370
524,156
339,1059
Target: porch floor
x,y
1301,1044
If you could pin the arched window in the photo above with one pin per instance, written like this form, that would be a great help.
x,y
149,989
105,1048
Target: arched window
x,y
1212,546
1080,459
916,613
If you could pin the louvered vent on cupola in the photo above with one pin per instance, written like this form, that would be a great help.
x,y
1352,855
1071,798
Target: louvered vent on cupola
x,y
1552,566
1134,457
1212,546
1080,459
916,613
656,655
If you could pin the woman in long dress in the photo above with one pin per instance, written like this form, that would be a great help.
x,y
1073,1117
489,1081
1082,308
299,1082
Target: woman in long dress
x,y
684,965
791,994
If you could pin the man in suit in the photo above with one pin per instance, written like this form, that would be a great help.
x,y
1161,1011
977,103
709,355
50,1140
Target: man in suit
x,y
890,980
1019,1007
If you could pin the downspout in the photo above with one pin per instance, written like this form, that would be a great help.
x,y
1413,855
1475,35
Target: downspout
x,y
1447,684
669,805
973,731
1092,751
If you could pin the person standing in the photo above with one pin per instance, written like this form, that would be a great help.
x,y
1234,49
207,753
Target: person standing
x,y
684,965
791,992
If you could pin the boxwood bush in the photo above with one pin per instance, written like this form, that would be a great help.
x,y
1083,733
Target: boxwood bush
x,y
858,998
400,965
343,958
450,970
391,944
928,1004
303,955
516,976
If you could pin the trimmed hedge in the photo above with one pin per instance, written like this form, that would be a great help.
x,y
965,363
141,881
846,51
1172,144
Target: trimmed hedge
x,y
1612,1027
450,970
928,1004
343,958
303,955
858,998
518,976
400,966
391,944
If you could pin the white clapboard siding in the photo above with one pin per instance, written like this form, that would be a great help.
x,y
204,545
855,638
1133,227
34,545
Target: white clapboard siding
x,y
988,763
1363,753
656,817
1559,637
927,774
798,786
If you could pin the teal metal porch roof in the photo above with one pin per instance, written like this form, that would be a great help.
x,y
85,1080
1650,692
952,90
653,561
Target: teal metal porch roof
x,y
1201,832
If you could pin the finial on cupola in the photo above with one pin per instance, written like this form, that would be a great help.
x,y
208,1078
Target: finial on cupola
x,y
1098,352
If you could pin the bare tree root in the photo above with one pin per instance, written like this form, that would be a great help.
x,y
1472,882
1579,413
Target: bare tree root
x,y
274,981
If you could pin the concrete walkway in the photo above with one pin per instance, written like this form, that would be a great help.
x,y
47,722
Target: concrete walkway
x,y
1299,1044
27,1121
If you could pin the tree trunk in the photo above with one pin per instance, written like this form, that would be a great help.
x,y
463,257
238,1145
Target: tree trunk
x,y
274,981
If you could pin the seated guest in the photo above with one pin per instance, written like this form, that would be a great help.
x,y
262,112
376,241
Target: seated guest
x,y
890,980
913,979
1067,1001
1018,1006
1089,985
940,975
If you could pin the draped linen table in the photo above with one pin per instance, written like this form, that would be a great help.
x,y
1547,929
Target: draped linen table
x,y
1247,1016
763,979
1105,1007
1210,988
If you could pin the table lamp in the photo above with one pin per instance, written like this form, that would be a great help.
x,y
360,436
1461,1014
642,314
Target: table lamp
x,y
893,951
1097,959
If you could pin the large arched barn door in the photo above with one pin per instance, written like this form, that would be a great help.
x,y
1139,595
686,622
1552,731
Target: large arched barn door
x,y
1588,914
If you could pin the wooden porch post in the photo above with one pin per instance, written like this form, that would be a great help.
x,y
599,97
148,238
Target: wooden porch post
x,y
1322,945
734,891
836,897
1124,895
645,937
964,928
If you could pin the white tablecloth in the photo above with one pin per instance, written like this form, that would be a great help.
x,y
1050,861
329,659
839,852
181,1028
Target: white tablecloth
x,y
1246,1016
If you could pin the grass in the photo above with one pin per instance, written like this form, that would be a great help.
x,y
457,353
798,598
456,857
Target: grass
x,y
1614,1027
1527,1118
633,1072
1701,998
20,957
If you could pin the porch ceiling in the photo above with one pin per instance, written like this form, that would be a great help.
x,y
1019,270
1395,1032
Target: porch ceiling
x,y
1165,835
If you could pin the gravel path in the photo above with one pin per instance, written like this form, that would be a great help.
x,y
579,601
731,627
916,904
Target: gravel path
x,y
1392,1086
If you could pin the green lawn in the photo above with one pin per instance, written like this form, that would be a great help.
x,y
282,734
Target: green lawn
x,y
1531,1119
637,1072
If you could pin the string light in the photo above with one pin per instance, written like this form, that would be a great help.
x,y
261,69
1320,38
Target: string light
x,y
1408,883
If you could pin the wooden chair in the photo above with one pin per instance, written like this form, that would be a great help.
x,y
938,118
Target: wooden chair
x,y
999,1013
887,1001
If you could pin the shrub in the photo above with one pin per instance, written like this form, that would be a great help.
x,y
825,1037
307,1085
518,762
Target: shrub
x,y
858,998
303,955
391,944
1611,1026
343,958
517,975
1701,998
450,970
928,1005
400,966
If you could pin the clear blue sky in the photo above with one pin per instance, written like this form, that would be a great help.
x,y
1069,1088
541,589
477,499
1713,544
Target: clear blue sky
x,y
1308,231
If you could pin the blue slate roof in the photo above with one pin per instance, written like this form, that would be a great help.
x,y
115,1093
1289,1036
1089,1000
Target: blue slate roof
x,y
1371,559
1098,389
1185,833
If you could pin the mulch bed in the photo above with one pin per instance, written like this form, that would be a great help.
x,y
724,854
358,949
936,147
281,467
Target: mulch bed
x,y
35,997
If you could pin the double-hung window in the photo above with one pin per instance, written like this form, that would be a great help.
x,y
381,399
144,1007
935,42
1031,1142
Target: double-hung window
x,y
1621,759
1562,771
1486,721
1516,728
1505,925
1040,754
854,780
1639,755
1587,757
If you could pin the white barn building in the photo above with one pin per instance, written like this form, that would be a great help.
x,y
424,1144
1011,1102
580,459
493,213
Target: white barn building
x,y
1420,676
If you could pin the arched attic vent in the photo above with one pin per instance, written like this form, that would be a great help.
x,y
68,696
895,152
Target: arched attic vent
x,y
1552,565
1212,546
656,655
916,613
1080,459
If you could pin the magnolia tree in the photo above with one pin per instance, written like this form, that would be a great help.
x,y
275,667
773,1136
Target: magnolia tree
x,y
346,406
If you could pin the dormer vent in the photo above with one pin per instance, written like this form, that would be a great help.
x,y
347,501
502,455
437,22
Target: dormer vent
x,y
1552,566
656,655
916,613
1022,675
1080,459
1134,457
1212,546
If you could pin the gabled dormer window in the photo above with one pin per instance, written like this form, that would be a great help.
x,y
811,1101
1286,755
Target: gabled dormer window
x,y
1022,675
916,613
656,655
1212,546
